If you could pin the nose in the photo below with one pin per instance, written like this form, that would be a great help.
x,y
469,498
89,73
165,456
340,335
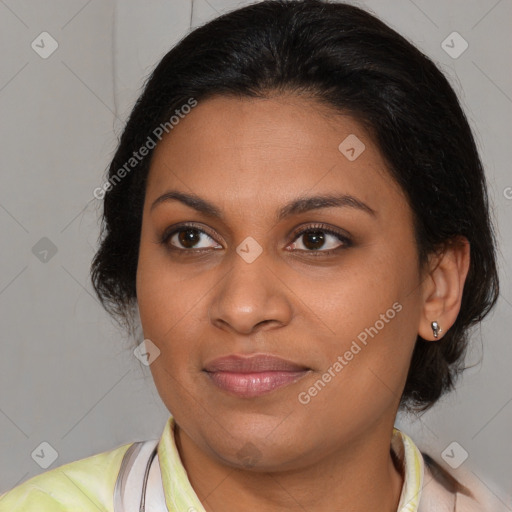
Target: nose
x,y
250,297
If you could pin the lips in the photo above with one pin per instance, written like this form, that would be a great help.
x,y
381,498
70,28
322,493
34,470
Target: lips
x,y
254,375
257,363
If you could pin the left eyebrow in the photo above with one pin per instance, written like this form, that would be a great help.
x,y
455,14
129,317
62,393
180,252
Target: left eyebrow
x,y
304,204
295,207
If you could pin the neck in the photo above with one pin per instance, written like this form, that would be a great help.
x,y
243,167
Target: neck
x,y
359,477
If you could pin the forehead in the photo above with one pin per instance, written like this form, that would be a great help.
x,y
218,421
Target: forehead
x,y
269,149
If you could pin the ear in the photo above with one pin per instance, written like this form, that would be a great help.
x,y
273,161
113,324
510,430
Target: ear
x,y
442,287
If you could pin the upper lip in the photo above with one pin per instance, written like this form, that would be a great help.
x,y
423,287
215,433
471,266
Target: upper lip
x,y
252,364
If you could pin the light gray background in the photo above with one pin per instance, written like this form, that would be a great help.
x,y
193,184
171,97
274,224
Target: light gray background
x,y
67,376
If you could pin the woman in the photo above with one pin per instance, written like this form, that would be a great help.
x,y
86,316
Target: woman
x,y
298,214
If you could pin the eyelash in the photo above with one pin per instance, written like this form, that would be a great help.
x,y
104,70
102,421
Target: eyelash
x,y
167,235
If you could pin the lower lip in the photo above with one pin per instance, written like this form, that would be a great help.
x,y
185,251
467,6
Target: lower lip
x,y
254,384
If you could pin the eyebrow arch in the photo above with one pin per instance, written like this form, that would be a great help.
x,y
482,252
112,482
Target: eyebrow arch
x,y
299,205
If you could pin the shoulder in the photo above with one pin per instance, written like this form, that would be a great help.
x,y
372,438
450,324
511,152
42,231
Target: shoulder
x,y
444,491
85,484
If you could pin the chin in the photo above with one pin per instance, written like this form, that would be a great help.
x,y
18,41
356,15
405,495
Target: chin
x,y
258,450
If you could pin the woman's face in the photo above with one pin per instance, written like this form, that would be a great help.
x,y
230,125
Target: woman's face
x,y
332,288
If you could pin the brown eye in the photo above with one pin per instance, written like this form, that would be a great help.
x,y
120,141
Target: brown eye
x,y
313,239
320,240
188,237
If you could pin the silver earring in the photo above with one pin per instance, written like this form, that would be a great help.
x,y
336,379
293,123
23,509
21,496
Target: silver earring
x,y
436,329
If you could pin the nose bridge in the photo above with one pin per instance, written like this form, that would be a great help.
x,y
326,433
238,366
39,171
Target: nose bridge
x,y
250,293
247,281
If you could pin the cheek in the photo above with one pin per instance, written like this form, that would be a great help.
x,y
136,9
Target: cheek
x,y
173,313
163,297
372,320
351,297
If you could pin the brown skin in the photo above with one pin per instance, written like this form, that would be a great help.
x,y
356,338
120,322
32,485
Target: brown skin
x,y
249,158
